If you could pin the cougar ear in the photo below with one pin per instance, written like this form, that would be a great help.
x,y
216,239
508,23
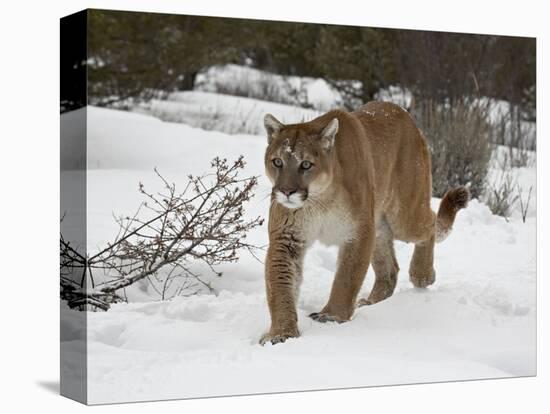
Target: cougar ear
x,y
272,125
329,134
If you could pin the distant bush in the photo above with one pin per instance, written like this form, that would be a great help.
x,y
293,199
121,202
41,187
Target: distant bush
x,y
236,80
263,86
517,135
502,194
459,136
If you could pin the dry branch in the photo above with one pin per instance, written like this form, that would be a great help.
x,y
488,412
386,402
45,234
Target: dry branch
x,y
169,231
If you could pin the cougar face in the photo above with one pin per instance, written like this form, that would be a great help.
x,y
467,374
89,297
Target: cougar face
x,y
298,162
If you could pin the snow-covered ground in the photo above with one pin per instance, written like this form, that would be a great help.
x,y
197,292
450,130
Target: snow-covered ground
x,y
229,98
254,83
224,113
477,321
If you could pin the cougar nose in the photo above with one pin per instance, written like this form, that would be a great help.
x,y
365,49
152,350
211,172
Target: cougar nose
x,y
288,191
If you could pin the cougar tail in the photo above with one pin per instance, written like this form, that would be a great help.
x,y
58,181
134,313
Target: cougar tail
x,y
453,201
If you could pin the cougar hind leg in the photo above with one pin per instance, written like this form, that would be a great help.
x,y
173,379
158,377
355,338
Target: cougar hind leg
x,y
421,269
384,264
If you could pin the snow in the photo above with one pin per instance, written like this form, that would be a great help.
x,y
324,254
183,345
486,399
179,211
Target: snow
x,y
498,113
254,83
395,94
477,321
499,116
225,113
233,98
523,179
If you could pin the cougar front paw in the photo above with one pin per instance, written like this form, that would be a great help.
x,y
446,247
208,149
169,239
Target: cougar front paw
x,y
364,302
277,338
422,280
382,289
326,317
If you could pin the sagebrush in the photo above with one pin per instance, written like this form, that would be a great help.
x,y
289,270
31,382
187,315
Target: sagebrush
x,y
459,136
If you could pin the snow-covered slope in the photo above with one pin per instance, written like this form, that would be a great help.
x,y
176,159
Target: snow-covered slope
x,y
477,321
254,83
225,113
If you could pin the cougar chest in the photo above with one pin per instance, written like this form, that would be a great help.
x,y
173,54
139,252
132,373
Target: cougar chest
x,y
332,227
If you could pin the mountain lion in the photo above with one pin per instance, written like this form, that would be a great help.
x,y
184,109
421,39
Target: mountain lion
x,y
357,180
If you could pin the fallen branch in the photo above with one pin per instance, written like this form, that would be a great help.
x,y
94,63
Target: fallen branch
x,y
203,223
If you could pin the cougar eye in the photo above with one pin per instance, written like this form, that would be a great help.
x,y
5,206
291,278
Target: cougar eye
x,y
305,165
277,162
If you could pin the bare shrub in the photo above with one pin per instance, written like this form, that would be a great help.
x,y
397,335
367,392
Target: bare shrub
x,y
458,134
264,86
524,202
216,117
501,195
171,230
516,135
519,157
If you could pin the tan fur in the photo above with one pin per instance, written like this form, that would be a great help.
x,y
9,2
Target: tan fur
x,y
370,183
